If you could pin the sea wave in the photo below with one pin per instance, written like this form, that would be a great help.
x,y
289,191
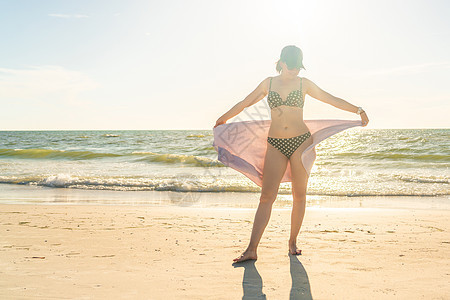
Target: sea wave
x,y
110,135
196,136
189,183
407,178
167,158
52,154
178,158
408,156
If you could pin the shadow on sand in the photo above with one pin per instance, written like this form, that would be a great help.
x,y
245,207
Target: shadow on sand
x,y
252,282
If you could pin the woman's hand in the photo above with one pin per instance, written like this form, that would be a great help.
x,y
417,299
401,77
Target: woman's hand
x,y
220,121
364,118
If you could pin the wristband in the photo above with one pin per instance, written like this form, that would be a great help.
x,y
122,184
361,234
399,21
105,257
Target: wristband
x,y
360,110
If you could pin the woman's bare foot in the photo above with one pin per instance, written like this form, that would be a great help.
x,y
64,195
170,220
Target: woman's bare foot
x,y
246,255
293,249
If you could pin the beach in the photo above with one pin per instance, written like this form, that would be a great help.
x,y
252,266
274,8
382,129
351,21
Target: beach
x,y
91,251
153,214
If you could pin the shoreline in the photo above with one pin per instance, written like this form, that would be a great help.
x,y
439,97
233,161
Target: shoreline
x,y
31,195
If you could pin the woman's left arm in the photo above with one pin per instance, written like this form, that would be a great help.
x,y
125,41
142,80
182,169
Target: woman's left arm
x,y
316,92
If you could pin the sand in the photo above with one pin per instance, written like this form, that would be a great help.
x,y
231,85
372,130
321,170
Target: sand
x,y
170,252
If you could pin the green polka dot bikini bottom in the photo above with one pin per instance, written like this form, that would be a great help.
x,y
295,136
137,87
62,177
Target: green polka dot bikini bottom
x,y
287,146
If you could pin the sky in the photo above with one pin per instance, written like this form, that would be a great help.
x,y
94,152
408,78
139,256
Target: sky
x,y
151,65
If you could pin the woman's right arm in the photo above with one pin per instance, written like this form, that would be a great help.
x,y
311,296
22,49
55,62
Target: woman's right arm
x,y
259,93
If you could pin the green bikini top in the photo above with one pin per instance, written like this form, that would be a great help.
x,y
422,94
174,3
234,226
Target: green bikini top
x,y
293,99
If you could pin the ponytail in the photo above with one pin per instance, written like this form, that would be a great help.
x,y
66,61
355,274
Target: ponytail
x,y
278,67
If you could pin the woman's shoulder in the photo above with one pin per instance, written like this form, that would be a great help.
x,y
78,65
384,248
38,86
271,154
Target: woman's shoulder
x,y
306,84
266,84
305,81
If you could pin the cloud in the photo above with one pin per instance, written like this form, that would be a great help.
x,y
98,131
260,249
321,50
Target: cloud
x,y
44,84
411,69
77,16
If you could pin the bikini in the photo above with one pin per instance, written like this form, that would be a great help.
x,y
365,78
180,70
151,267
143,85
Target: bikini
x,y
287,146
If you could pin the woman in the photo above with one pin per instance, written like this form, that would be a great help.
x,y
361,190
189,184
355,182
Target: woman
x,y
287,138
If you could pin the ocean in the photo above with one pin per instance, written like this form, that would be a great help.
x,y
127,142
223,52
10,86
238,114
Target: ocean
x,y
355,162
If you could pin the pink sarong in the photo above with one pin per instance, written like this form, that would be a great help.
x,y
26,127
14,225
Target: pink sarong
x,y
242,145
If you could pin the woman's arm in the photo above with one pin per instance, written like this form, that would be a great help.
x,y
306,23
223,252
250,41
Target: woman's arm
x,y
316,92
259,93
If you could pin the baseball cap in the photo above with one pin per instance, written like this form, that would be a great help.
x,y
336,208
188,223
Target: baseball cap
x,y
292,56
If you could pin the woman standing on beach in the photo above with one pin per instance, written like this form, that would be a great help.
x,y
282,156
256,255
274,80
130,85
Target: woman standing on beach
x,y
287,138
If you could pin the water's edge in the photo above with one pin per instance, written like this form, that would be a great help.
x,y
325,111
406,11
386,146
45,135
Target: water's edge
x,y
38,195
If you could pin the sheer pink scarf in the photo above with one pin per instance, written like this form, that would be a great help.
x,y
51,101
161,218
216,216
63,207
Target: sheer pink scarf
x,y
242,145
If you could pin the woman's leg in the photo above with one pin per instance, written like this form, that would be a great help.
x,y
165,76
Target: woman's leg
x,y
299,186
274,167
